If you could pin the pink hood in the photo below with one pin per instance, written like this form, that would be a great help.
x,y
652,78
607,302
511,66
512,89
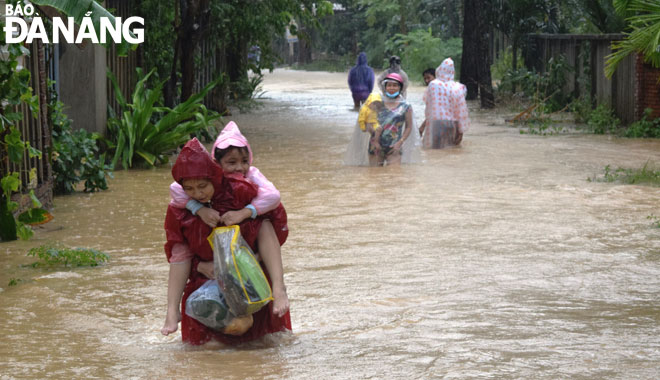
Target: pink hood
x,y
231,136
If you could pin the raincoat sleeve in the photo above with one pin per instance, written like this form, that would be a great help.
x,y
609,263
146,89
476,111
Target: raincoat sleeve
x,y
410,149
362,116
460,108
371,79
173,230
268,197
178,197
426,98
352,80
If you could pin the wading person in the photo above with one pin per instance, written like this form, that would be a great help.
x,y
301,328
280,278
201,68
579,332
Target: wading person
x,y
189,252
393,143
446,110
360,80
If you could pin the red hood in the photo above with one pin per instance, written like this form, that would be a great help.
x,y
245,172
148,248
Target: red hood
x,y
195,162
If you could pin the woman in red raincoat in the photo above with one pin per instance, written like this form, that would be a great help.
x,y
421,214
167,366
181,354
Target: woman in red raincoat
x,y
231,192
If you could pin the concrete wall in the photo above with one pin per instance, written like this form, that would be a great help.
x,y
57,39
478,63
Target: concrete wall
x,y
83,86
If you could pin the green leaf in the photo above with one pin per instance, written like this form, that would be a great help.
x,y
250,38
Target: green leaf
x,y
24,232
32,152
35,216
15,146
10,183
150,158
79,8
36,203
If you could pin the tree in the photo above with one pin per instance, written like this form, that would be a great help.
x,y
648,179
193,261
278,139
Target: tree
x,y
475,62
232,27
517,18
340,34
602,15
443,16
391,16
194,21
643,38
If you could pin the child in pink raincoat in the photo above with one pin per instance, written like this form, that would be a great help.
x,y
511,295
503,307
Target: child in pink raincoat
x,y
446,110
232,151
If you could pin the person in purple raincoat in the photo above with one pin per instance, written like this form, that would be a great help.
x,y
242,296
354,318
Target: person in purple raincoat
x,y
361,80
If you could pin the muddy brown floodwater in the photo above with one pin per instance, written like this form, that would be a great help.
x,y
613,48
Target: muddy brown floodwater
x,y
495,260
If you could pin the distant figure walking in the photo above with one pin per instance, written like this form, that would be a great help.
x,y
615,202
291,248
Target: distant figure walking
x,y
446,110
395,67
361,80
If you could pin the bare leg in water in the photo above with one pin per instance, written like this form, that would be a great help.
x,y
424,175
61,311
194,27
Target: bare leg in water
x,y
271,254
176,282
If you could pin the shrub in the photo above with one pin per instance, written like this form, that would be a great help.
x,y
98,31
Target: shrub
x,y
644,127
503,64
581,108
246,91
546,88
602,120
75,155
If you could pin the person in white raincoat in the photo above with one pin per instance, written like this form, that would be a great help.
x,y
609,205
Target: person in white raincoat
x,y
446,110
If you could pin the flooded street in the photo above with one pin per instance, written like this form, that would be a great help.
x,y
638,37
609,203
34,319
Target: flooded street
x,y
495,260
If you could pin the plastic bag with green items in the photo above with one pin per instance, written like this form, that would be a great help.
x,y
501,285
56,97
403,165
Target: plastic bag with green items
x,y
238,272
207,305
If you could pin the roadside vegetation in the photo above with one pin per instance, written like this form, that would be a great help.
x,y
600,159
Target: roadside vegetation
x,y
646,175
58,257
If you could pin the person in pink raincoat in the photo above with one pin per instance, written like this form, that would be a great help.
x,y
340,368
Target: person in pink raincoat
x,y
446,110
232,151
